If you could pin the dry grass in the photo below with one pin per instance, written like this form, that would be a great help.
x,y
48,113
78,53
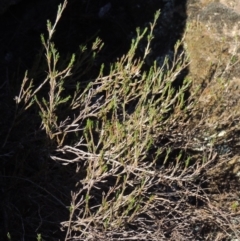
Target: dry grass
x,y
127,151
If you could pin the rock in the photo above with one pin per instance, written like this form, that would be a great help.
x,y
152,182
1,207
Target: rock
x,y
212,43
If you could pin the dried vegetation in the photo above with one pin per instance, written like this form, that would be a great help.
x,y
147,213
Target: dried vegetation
x,y
117,157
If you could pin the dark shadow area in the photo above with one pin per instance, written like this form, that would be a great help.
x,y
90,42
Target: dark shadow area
x,y
35,190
